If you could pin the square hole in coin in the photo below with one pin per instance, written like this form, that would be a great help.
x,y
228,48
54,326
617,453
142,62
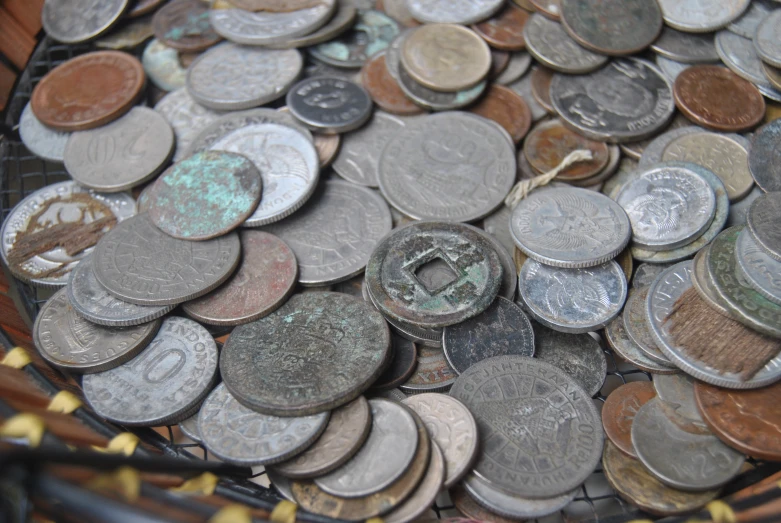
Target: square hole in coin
x,y
435,274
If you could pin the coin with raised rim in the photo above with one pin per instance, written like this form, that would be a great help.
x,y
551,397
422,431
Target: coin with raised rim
x,y
72,22
453,12
329,105
766,39
637,327
578,355
739,55
550,44
701,16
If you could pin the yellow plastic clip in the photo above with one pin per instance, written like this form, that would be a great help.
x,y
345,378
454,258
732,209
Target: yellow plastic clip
x,y
202,485
720,512
232,514
64,402
24,425
124,480
16,358
124,443
284,512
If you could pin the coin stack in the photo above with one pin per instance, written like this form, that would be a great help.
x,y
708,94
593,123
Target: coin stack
x,y
309,182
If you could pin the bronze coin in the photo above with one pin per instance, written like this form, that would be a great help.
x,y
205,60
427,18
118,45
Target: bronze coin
x,y
384,89
88,91
541,78
397,9
619,411
184,25
505,107
505,29
746,420
550,142
499,62
142,7
471,509
716,98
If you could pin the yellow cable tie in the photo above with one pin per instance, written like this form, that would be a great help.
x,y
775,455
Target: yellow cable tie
x,y
232,514
18,358
720,512
202,485
24,425
64,402
125,480
124,443
284,512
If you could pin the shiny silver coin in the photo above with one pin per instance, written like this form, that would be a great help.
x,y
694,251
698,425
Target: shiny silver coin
x,y
372,32
701,16
523,87
189,428
168,379
579,355
763,219
549,43
515,507
767,41
765,169
741,57
341,21
72,22
384,457
637,328
39,139
690,48
519,64
760,270
329,105
231,77
453,11
509,272
746,25
570,227
677,393
162,66
644,106
186,117
626,348
229,430
122,154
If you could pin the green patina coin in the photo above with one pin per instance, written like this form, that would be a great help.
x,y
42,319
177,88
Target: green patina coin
x,y
206,195
373,32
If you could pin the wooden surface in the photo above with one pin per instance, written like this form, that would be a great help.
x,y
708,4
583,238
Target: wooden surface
x,y
20,23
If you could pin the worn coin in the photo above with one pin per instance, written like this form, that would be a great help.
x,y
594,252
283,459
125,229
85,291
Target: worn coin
x,y
72,22
241,436
739,55
509,418
384,89
646,273
189,428
329,104
184,25
163,67
701,16
471,509
578,355
766,39
691,48
762,219
436,100
504,30
519,63
513,506
760,270
231,77
626,348
130,34
507,108
550,142
763,158
702,281
549,8
373,32
509,271
619,412
746,25
342,21
432,374
163,384
549,43
186,117
426,492
676,392
636,324
404,360
39,139
453,12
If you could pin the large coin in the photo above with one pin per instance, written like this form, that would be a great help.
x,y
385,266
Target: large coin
x,y
763,159
74,21
578,355
164,384
315,353
619,412
39,139
763,218
184,25
767,41
512,506
701,16
453,12
760,270
432,374
186,117
685,47
329,104
139,263
541,433
550,44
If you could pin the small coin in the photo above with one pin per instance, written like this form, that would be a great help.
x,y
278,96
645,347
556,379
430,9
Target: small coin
x,y
470,508
515,507
762,219
342,21
578,355
676,391
765,170
637,327
163,67
186,117
39,139
426,492
504,30
519,63
690,48
626,348
550,142
741,57
384,89
329,105
766,39
701,16
453,12
550,44
168,379
373,32
619,412
404,360
74,22
231,431
760,270
189,428
184,25
432,374
505,107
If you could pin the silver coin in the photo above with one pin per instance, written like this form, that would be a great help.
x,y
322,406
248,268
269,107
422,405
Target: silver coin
x,y
241,436
636,323
186,117
635,150
498,226
762,219
432,374
570,227
189,428
314,68
670,68
690,48
329,105
341,21
519,63
626,348
425,493
741,57
162,384
384,457
231,76
122,154
393,53
57,204
681,460
763,157
677,393
702,281
436,100
391,394
269,27
746,25
39,139
761,271
283,485
523,87
701,16
138,263
509,271
421,176
767,41
579,355
372,32
644,105
739,210
646,273
514,507
549,43
453,11
533,430
162,66
75,21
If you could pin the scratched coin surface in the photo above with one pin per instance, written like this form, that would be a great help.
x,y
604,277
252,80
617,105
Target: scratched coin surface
x,y
334,234
533,421
760,270
578,355
619,412
453,12
345,434
452,427
432,374
74,21
73,344
683,47
141,264
550,44
317,352
243,437
626,348
184,25
329,104
762,219
186,117
701,16
763,159
516,507
168,379
39,139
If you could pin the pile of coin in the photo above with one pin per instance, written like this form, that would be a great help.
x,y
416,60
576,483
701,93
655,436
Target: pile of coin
x,y
309,182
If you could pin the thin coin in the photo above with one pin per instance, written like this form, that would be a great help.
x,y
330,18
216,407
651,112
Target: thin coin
x,y
163,67
426,492
432,374
637,327
549,43
329,105
739,55
186,117
342,21
453,12
626,348
470,508
39,139
541,78
373,32
701,16
763,157
513,506
690,48
766,39
519,63
281,484
184,25
505,107
762,219
578,355
74,22
404,360
774,75
505,29
142,7
384,89
550,142
760,270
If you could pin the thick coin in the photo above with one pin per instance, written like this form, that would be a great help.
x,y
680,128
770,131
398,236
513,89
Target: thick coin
x,y
701,16
342,20
453,12
316,352
384,88
690,48
168,379
335,233
570,227
507,108
71,343
404,360
329,104
186,117
578,355
505,29
240,436
88,91
373,32
550,44
739,55
550,142
636,323
163,67
762,219
626,101
450,166
39,139
766,39
619,412
432,374
184,25
72,22
539,391
763,157
426,492
626,348
760,270
512,506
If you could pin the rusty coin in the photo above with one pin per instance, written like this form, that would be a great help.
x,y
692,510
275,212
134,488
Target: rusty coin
x,y
88,91
619,411
508,109
384,89
504,30
549,142
716,98
184,25
541,78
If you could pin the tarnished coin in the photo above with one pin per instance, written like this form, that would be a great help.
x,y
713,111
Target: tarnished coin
x,y
760,270
186,117
676,460
231,77
701,16
504,30
432,374
184,25
241,436
71,22
541,78
142,7
767,41
626,348
518,65
739,55
341,21
373,32
550,44
676,392
168,379
453,12
139,263
70,343
570,227
763,219
329,104
763,157
384,88
627,100
507,108
39,139
426,492
163,67
702,281
125,153
508,418
512,506
436,100
468,507
636,323
578,355
691,48
404,360
335,233
646,273
550,142
549,8
189,428
619,412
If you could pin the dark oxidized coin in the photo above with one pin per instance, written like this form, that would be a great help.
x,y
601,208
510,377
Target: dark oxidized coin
x,y
505,29
432,374
329,104
763,220
619,411
404,360
384,89
763,157
184,25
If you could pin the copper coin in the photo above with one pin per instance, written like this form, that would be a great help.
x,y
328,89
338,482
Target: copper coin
x,y
540,79
746,420
619,411
384,89
716,98
549,142
504,30
499,62
88,91
471,509
505,107
184,25
142,7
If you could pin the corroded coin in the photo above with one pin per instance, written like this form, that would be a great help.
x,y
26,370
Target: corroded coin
x,y
432,374
71,343
238,435
619,412
504,30
513,506
453,12
686,47
550,44
578,355
426,492
168,379
760,270
71,22
184,25
550,142
373,32
766,39
186,117
636,323
39,139
701,16
762,219
404,360
329,105
626,348
316,352
384,89
763,157
163,67
507,108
